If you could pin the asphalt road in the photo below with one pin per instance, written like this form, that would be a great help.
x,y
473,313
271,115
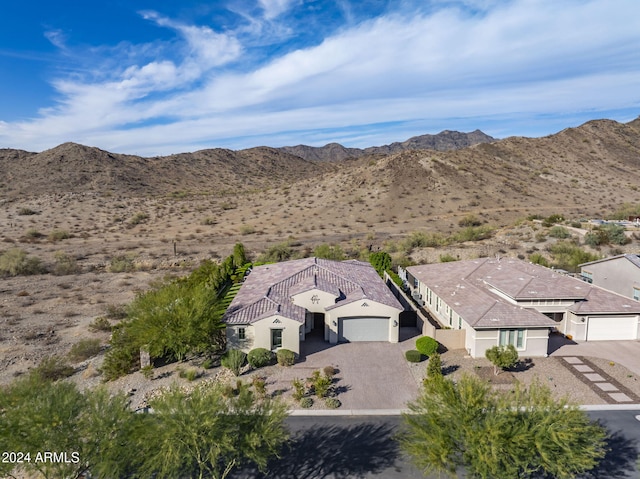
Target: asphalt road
x,y
346,447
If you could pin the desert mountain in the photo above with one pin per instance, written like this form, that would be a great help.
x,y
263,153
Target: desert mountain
x,y
77,168
443,141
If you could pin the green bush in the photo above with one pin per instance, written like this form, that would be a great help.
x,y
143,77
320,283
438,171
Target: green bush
x,y
285,357
138,218
321,384
259,385
469,220
64,264
121,264
332,403
58,235
568,255
299,390
15,261
260,357
434,366
447,258
52,368
551,220
426,345
413,356
123,356
473,233
190,374
234,359
537,258
306,402
25,211
559,232
84,349
502,357
100,324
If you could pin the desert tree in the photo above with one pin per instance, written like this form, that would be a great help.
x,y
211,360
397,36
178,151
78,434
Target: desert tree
x,y
502,357
523,433
207,432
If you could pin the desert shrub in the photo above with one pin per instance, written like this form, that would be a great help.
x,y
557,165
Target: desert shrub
x,y
84,349
469,220
298,389
502,357
576,224
64,264
15,261
381,261
434,366
259,385
321,384
276,253
33,234
52,368
334,252
123,356
285,357
190,374
121,264
473,233
419,239
568,255
447,258
58,235
209,221
147,371
537,258
413,356
116,311
426,345
559,232
138,218
25,211
306,402
551,220
615,234
100,324
332,403
234,359
329,371
259,357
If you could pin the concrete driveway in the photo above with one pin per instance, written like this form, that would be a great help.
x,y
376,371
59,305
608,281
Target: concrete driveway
x,y
372,375
625,353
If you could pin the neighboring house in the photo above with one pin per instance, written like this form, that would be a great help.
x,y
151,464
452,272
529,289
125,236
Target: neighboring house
x,y
620,274
509,301
279,304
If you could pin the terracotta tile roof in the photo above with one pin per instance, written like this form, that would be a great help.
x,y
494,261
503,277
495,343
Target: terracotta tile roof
x,y
471,289
268,289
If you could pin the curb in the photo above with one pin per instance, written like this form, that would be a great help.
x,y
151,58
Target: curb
x,y
399,412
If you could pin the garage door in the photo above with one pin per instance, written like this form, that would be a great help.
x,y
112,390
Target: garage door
x,y
612,328
363,328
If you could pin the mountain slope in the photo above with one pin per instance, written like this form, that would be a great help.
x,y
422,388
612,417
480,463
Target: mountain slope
x,y
443,141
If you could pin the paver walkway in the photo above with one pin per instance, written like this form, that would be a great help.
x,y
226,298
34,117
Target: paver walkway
x,y
600,382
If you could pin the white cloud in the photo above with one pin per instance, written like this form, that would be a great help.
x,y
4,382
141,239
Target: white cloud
x,y
274,8
525,57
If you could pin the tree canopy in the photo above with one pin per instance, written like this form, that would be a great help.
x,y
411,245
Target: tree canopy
x,y
492,435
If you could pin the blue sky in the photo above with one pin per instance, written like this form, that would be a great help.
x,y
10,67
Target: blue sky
x,y
159,77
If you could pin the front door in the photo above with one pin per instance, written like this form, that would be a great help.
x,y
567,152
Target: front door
x,y
276,338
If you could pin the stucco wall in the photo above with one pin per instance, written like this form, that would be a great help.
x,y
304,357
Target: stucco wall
x,y
291,331
314,300
535,342
357,308
234,342
618,275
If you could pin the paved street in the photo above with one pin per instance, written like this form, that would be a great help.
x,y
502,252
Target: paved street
x,y
363,447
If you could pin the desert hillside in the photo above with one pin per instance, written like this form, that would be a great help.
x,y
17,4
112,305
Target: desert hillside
x,y
105,225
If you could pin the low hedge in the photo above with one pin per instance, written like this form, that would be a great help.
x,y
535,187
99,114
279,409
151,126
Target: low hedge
x,y
413,356
259,357
285,357
426,345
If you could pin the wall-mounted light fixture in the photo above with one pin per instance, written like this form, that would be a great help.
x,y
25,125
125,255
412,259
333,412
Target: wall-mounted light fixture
x,y
395,323
334,323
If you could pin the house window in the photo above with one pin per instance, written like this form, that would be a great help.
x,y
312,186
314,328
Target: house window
x,y
636,294
459,322
587,276
450,317
242,333
276,338
512,336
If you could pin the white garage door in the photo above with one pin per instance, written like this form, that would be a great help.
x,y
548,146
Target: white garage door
x,y
612,328
361,328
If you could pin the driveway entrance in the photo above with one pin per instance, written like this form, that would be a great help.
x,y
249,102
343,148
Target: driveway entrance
x,y
373,375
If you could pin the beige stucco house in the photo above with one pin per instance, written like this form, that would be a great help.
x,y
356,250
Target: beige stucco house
x,y
620,274
280,304
509,301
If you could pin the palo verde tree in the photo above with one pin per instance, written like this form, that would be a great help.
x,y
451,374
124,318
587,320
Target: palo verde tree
x,y
524,433
207,432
